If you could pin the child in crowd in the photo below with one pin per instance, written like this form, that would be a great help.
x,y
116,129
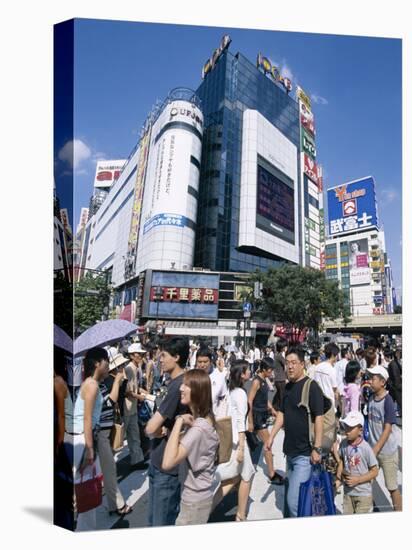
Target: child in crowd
x,y
381,416
357,467
351,389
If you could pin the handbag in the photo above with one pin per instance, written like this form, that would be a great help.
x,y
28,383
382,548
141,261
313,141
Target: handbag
x,y
224,432
252,440
316,494
117,432
88,493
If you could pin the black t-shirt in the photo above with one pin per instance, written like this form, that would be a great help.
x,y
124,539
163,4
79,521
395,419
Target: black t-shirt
x,y
169,408
296,426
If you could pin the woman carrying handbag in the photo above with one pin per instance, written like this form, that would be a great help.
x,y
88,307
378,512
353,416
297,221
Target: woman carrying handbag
x,y
86,416
239,470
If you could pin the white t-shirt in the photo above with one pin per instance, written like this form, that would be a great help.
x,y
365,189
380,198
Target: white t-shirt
x,y
219,392
325,376
340,368
257,354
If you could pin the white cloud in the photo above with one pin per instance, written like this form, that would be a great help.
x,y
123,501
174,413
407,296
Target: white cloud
x,y
318,99
284,68
74,153
389,195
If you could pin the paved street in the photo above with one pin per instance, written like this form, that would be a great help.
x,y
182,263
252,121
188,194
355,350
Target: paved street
x,y
266,501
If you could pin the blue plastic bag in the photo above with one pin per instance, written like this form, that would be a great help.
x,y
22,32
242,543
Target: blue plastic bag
x,y
316,494
366,429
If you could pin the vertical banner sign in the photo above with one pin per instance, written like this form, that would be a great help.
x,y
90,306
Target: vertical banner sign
x,y
130,261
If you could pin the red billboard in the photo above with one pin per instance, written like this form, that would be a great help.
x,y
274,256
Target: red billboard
x,y
311,169
307,119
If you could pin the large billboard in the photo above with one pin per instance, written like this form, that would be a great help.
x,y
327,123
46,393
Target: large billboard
x,y
107,171
359,269
275,211
179,295
307,119
352,206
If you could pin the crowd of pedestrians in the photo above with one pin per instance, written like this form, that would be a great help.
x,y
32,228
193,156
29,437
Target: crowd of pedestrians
x,y
335,407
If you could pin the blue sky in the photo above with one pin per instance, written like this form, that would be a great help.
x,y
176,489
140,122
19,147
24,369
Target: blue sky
x,y
122,68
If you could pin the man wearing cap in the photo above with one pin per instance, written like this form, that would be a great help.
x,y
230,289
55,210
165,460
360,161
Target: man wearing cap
x,y
115,500
381,417
357,467
133,395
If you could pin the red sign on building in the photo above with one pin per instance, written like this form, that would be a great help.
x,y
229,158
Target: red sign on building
x,y
186,295
311,169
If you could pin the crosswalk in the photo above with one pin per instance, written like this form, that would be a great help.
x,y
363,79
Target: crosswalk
x,y
266,500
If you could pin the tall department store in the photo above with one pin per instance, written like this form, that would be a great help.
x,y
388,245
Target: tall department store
x,y
223,181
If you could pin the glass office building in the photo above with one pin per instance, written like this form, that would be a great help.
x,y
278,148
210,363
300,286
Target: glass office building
x,y
233,86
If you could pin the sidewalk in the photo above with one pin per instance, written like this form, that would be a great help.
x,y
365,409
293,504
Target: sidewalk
x,y
266,500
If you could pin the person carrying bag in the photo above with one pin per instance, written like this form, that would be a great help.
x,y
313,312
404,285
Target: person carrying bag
x,y
316,494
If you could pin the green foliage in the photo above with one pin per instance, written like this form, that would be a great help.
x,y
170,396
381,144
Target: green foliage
x,y
397,309
90,298
300,297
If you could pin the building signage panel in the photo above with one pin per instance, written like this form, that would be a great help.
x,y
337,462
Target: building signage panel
x,y
210,63
275,210
107,171
307,119
352,206
308,144
311,169
359,270
131,255
269,68
166,219
184,296
300,94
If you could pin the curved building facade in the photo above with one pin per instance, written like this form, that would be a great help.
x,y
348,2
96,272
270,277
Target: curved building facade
x,y
169,208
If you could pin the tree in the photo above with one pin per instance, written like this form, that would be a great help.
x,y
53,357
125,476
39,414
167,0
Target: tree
x,y
300,297
91,298
397,309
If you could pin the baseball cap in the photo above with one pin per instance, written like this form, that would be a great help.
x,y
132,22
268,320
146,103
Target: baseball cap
x,y
379,370
136,348
352,419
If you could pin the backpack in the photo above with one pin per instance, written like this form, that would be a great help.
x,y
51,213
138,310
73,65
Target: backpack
x,y
329,418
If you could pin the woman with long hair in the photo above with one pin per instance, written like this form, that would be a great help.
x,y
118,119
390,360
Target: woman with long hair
x,y
259,409
239,469
86,416
196,450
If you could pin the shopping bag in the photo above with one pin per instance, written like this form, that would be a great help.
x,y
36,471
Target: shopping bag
x,y
224,431
316,494
366,429
117,436
88,493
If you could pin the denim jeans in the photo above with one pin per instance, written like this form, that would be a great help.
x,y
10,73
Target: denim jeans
x,y
164,497
298,471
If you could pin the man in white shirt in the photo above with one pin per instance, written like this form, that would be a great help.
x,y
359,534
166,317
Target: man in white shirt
x,y
192,356
340,368
325,374
217,379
